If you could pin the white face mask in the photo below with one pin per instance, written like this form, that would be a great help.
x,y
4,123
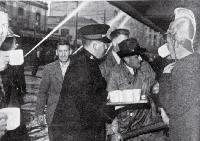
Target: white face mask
x,y
163,51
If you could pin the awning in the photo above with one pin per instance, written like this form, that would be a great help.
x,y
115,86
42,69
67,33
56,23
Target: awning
x,y
156,14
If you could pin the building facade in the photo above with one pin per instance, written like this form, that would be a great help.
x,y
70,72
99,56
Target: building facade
x,y
27,15
104,12
29,20
68,30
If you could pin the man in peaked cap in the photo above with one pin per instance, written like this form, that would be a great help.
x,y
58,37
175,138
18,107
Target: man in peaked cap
x,y
79,114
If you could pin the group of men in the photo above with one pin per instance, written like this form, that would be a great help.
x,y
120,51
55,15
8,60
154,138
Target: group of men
x,y
76,86
75,89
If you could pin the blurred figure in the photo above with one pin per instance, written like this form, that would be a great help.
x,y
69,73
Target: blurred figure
x,y
183,107
36,62
51,84
4,60
14,85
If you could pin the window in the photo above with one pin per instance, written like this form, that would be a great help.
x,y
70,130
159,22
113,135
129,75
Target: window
x,y
20,12
3,4
38,18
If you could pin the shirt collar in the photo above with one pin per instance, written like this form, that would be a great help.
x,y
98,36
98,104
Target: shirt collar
x,y
131,70
89,55
64,65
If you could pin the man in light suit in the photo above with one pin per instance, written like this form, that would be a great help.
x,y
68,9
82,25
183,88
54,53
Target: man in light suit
x,y
51,84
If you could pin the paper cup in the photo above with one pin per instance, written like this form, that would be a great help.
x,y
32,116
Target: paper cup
x,y
127,96
131,95
136,95
163,51
13,115
16,57
114,96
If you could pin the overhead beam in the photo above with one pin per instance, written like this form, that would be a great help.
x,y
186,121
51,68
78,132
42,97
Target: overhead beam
x,y
124,6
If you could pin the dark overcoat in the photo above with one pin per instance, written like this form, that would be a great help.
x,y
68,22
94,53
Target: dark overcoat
x,y
82,96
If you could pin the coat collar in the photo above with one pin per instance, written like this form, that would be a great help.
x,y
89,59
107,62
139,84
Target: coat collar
x,y
57,71
90,56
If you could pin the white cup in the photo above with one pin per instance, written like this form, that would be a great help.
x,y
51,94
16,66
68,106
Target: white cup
x,y
131,95
136,95
127,96
16,57
13,115
114,96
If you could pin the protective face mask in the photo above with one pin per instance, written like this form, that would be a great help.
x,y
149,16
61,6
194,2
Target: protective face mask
x,y
163,51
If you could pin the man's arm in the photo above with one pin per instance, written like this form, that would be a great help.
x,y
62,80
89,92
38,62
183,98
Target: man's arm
x,y
148,72
43,92
186,88
112,82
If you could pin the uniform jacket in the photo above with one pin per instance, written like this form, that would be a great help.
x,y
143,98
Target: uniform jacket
x,y
49,90
82,96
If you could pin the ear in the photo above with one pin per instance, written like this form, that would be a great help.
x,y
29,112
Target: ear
x,y
126,59
56,52
94,45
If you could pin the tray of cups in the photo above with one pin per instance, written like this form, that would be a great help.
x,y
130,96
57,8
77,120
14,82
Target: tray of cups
x,y
124,97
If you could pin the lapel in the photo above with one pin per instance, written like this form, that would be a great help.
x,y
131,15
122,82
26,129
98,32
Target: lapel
x,y
58,72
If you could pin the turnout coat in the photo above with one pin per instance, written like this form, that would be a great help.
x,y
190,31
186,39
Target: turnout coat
x,y
82,96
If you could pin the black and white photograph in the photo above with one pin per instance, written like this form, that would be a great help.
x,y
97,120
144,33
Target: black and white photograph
x,y
106,70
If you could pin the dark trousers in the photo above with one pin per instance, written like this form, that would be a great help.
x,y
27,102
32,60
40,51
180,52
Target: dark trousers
x,y
60,134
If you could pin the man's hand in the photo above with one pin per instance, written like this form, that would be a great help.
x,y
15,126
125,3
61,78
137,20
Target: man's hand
x,y
164,116
3,124
155,89
39,120
168,68
4,60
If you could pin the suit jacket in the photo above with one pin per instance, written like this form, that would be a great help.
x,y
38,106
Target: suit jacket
x,y
49,90
82,96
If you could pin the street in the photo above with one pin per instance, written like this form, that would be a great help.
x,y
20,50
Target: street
x,y
36,133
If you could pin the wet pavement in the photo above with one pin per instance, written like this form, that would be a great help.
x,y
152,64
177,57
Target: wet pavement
x,y
36,133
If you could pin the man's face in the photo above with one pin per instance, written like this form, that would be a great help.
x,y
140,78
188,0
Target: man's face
x,y
100,49
118,40
133,61
63,52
